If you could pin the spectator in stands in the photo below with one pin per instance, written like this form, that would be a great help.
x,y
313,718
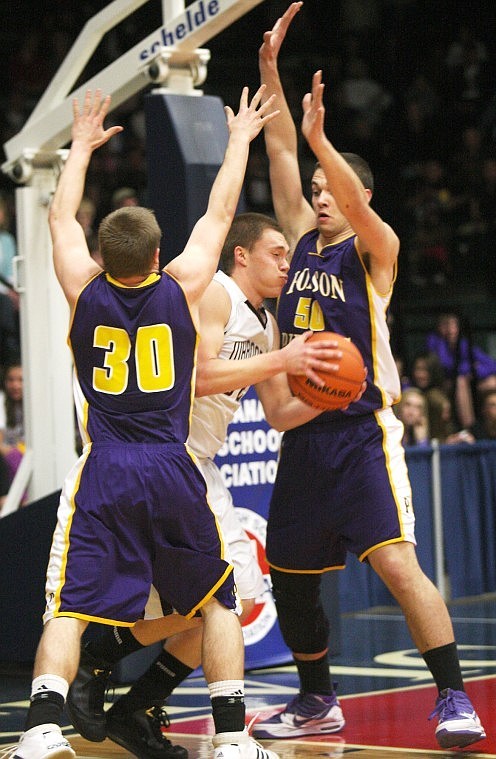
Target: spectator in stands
x,y
8,247
426,371
10,344
430,208
445,342
458,354
401,367
12,418
469,79
442,425
28,65
485,215
466,38
86,216
485,426
257,185
427,374
465,166
123,197
412,411
362,95
422,91
9,299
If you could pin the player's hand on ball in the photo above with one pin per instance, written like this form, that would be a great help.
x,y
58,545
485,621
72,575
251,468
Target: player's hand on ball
x,y
336,388
307,357
362,390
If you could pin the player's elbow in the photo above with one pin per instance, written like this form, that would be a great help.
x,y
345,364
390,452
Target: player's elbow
x,y
52,215
203,384
275,420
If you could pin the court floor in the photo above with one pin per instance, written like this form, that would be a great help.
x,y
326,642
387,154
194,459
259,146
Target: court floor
x,y
384,687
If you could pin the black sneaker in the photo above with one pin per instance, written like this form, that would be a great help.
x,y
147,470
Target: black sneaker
x,y
86,697
141,734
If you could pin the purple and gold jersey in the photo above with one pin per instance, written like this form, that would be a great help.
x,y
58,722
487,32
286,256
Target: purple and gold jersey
x,y
356,496
332,290
134,373
134,509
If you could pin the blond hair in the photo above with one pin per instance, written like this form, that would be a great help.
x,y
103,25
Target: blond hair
x,y
128,239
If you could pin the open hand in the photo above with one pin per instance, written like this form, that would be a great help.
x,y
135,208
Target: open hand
x,y
251,117
87,127
273,40
305,357
312,125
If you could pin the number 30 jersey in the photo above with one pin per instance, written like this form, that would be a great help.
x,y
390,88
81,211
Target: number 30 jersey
x,y
134,354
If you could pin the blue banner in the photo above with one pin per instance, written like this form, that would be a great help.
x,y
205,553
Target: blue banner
x,y
248,463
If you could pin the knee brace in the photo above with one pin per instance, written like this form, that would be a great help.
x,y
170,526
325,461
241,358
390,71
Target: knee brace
x,y
304,625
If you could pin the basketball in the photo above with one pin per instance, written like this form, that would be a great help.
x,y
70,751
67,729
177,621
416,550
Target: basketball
x,y
340,388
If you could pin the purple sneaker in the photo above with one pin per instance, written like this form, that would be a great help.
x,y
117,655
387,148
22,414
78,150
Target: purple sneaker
x,y
306,714
459,725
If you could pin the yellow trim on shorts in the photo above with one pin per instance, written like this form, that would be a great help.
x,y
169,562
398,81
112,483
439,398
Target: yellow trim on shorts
x,y
212,592
306,571
401,539
63,563
390,478
89,618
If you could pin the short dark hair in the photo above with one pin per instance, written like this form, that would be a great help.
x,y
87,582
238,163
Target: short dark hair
x,y
360,167
246,229
128,239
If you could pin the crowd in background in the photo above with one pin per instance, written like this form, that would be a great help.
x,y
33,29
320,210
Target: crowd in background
x,y
410,86
449,391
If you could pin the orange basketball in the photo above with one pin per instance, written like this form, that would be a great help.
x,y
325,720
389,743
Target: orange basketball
x,y
340,388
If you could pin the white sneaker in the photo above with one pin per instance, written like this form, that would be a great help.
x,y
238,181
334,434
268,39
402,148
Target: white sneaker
x,y
43,742
459,725
306,714
239,746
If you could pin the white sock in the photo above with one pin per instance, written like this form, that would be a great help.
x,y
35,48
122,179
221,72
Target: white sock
x,y
50,682
226,688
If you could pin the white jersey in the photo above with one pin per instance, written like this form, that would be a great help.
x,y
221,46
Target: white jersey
x,y
248,332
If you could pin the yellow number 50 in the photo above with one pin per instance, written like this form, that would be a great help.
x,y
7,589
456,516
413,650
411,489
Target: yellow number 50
x,y
153,355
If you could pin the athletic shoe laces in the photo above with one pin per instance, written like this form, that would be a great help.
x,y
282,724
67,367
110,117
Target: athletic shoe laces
x,y
452,704
158,719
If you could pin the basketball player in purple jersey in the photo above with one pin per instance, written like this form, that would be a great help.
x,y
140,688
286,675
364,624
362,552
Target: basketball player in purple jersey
x,y
238,347
134,509
355,495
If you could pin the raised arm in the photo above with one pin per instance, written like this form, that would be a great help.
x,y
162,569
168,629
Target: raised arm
x,y
197,264
217,375
377,242
292,210
72,260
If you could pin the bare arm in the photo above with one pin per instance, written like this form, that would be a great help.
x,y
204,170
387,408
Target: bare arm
x,y
72,260
217,375
292,210
376,239
197,264
282,410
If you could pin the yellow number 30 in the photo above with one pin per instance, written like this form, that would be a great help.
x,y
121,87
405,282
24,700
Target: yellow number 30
x,y
153,355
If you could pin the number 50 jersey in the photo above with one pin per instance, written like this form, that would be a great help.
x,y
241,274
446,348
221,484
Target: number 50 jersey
x,y
134,354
